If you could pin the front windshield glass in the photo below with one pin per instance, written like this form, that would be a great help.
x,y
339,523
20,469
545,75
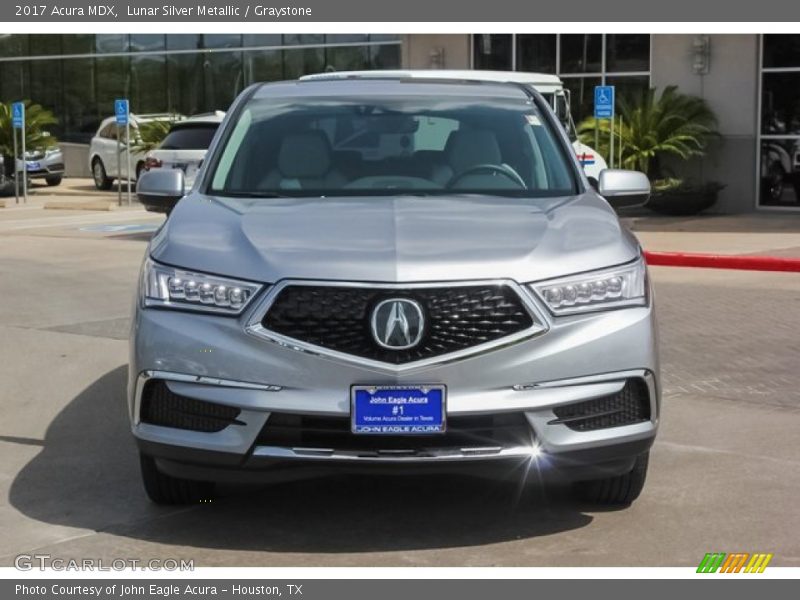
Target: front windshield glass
x,y
383,145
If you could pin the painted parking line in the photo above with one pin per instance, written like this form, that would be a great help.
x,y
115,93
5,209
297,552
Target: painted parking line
x,y
69,221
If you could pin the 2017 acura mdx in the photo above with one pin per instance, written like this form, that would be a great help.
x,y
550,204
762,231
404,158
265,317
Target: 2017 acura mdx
x,y
393,274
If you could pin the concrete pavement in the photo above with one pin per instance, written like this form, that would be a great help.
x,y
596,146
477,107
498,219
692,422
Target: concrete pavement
x,y
763,233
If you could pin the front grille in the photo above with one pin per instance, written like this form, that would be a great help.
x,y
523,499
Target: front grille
x,y
630,405
338,318
160,406
304,431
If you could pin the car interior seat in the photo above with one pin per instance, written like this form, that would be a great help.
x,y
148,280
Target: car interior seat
x,y
304,162
466,149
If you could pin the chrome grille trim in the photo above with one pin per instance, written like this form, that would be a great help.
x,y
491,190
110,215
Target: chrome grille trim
x,y
380,456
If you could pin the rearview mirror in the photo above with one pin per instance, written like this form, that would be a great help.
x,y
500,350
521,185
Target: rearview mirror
x,y
623,188
160,189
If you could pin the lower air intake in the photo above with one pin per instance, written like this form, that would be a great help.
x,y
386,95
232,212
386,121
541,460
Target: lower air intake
x,y
628,406
160,406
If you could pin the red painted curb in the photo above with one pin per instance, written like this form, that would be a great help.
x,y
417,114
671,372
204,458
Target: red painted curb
x,y
723,261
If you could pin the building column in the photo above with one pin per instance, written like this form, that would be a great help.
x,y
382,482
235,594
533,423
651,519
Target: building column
x,y
726,76
436,51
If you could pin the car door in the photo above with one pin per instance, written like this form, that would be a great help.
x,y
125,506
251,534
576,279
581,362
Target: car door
x,y
107,148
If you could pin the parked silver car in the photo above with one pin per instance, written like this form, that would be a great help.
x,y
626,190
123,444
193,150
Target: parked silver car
x,y
45,163
395,275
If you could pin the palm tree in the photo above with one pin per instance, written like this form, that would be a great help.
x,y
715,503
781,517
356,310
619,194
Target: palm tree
x,y
37,120
654,127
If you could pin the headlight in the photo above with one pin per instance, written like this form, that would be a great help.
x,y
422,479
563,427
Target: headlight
x,y
610,288
174,288
52,150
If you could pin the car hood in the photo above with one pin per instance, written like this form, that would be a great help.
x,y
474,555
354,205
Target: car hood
x,y
393,239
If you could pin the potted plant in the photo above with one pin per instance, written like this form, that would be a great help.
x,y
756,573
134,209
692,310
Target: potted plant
x,y
654,128
37,120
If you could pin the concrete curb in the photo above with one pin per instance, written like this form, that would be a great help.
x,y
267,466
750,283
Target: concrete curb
x,y
99,205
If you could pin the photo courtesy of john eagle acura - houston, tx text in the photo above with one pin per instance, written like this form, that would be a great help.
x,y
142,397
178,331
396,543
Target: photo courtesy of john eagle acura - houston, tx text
x,y
395,274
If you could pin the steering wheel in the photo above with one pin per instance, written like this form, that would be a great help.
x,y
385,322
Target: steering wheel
x,y
505,170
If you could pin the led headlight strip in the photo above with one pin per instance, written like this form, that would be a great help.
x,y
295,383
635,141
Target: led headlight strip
x,y
175,288
606,289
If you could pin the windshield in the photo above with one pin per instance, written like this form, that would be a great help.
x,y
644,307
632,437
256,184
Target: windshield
x,y
391,146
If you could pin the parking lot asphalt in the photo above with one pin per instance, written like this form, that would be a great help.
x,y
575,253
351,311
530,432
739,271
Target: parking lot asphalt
x,y
724,474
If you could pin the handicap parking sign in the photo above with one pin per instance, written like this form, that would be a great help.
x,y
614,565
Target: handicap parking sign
x,y
18,115
121,110
604,102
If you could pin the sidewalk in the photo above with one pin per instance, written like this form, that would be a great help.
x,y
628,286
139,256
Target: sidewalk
x,y
753,234
72,194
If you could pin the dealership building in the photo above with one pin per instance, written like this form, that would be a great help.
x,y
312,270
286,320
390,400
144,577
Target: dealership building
x,y
752,82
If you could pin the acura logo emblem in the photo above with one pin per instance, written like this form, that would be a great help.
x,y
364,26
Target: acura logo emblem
x,y
397,323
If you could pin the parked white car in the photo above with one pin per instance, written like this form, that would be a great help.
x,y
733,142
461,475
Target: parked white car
x,y
185,145
104,154
549,86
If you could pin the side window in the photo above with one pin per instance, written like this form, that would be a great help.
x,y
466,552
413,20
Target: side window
x,y
108,132
433,133
123,134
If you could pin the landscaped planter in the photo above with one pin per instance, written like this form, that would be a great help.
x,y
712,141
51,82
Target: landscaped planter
x,y
684,200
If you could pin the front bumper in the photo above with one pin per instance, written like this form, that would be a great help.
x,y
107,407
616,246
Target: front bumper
x,y
50,166
211,358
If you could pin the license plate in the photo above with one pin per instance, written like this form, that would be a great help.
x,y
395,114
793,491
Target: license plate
x,y
33,166
398,410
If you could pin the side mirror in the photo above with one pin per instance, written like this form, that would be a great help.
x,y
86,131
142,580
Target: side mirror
x,y
624,189
160,189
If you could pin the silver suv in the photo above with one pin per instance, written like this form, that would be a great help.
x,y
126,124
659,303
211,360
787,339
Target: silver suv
x,y
396,275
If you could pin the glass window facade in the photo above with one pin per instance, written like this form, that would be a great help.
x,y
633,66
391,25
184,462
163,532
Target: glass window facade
x,y
79,76
581,60
493,52
581,53
779,135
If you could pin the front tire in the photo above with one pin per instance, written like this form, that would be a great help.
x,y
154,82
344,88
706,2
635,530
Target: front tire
x,y
101,180
165,489
53,180
623,489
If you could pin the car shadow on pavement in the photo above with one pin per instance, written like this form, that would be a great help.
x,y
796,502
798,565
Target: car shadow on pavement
x,y
87,476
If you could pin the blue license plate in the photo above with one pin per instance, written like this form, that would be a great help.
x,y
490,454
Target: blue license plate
x,y
398,410
33,166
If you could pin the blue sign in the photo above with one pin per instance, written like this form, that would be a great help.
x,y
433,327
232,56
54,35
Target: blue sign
x,y
121,110
18,115
604,102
